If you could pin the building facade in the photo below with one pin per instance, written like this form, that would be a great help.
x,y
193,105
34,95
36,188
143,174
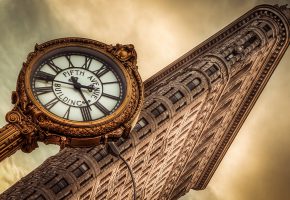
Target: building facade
x,y
192,112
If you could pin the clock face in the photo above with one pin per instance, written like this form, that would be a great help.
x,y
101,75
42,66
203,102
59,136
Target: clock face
x,y
78,85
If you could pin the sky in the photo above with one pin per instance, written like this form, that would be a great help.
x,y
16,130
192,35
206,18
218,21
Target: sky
x,y
257,165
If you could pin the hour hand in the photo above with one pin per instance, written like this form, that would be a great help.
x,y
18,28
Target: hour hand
x,y
75,82
78,85
89,87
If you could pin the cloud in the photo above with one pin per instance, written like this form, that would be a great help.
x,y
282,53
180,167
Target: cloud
x,y
23,23
210,194
141,23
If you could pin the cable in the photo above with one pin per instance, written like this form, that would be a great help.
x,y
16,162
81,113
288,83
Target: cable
x,y
132,176
114,150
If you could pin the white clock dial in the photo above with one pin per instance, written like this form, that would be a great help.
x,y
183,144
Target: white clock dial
x,y
78,86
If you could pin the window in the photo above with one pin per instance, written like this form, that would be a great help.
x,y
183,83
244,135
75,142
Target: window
x,y
140,124
193,84
40,197
250,41
213,69
158,110
228,57
81,170
176,97
100,155
144,134
267,28
61,184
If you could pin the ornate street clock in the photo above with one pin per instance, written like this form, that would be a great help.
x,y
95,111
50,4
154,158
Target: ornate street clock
x,y
73,92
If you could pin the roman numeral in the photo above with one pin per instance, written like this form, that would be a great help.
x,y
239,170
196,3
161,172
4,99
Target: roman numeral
x,y
100,72
44,76
43,90
69,61
66,114
102,108
53,66
111,96
87,63
51,103
86,113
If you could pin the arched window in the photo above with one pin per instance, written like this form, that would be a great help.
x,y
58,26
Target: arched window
x,y
100,154
250,41
60,185
212,70
267,29
140,124
176,97
193,84
158,110
80,170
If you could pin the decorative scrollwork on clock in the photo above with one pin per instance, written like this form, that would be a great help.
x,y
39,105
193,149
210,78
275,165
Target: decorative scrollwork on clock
x,y
80,89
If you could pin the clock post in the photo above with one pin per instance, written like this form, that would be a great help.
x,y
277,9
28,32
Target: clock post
x,y
73,92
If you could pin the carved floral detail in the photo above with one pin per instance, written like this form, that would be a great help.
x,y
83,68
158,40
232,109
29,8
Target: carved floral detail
x,y
13,117
26,128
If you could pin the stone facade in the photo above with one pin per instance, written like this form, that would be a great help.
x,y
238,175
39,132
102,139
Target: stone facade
x,y
193,110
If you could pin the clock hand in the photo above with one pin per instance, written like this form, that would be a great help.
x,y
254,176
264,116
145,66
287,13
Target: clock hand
x,y
82,94
90,88
63,82
77,86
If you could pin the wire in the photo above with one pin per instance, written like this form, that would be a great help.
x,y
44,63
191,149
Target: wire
x,y
132,176
114,150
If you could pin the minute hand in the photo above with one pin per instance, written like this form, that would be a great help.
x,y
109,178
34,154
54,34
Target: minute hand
x,y
82,94
79,85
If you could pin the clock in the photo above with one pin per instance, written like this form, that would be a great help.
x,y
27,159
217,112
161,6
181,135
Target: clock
x,y
74,92
77,85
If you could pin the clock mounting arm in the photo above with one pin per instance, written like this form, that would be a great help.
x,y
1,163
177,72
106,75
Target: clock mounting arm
x,y
18,133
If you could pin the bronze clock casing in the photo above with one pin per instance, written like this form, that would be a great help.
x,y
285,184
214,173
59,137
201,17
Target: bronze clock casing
x,y
48,128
